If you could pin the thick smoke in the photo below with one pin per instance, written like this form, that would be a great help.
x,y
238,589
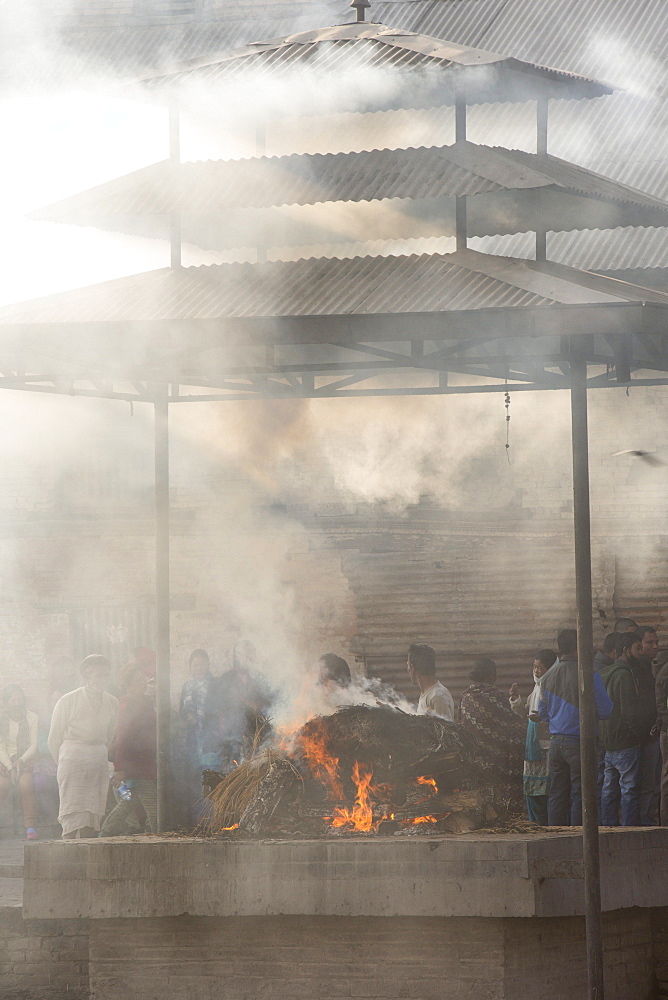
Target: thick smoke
x,y
252,480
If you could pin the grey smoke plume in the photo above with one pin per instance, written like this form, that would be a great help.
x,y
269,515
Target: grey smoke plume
x,y
245,562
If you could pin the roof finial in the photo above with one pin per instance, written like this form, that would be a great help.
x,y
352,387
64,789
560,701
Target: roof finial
x,y
360,6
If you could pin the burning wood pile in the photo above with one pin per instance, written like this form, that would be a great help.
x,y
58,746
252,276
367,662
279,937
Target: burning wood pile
x,y
362,770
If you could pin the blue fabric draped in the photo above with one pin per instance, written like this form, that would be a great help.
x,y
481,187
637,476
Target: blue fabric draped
x,y
532,745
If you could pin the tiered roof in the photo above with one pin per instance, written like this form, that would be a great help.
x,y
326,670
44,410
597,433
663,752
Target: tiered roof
x,y
179,325
239,203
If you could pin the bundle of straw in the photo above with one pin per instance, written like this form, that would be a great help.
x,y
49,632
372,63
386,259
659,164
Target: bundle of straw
x,y
246,788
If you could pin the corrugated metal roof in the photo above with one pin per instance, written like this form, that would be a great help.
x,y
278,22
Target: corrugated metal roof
x,y
465,280
311,287
423,72
621,136
462,169
651,176
651,277
399,195
267,181
624,42
609,250
590,37
593,250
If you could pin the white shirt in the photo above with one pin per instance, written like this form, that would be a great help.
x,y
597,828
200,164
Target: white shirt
x,y
437,700
75,718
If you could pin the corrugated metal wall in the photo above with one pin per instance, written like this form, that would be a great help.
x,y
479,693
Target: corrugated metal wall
x,y
111,630
469,591
641,579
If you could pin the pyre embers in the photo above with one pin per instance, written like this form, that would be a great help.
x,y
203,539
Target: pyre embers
x,y
361,770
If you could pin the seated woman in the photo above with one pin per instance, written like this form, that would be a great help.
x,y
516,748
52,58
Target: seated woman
x,y
18,749
485,710
134,754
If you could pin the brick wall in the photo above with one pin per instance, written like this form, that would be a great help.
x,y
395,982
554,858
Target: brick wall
x,y
42,959
329,958
660,942
296,958
554,951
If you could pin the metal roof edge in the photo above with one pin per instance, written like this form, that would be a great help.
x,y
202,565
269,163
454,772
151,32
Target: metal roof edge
x,y
429,46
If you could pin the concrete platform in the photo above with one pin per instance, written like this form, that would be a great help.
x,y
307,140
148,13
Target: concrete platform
x,y
11,873
476,917
39,959
479,875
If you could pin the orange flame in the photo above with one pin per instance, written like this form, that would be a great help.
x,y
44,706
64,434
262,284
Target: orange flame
x,y
360,817
235,826
428,781
325,767
420,819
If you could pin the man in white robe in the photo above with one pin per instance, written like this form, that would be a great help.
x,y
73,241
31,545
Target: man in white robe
x,y
82,728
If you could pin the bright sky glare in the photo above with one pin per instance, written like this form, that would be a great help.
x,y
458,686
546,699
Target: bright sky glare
x,y
53,147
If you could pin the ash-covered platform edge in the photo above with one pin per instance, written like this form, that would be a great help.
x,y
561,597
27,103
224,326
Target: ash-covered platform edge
x,y
478,875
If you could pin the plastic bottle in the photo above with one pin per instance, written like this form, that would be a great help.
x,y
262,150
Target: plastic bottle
x,y
124,792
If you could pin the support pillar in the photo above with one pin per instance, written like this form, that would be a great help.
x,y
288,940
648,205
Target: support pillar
x,y
541,147
588,761
261,150
460,105
460,136
163,685
175,158
541,125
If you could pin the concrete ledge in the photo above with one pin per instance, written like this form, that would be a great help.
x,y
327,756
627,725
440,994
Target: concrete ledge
x,y
475,876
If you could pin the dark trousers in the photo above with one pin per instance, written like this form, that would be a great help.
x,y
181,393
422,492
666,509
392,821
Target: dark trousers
x,y
621,788
537,809
650,781
664,780
564,806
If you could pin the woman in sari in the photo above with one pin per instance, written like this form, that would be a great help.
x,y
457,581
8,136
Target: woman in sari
x,y
485,710
82,728
537,744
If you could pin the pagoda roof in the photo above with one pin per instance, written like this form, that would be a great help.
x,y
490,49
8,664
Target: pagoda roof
x,y
303,200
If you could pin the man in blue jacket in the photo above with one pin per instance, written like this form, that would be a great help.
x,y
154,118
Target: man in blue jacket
x,y
559,706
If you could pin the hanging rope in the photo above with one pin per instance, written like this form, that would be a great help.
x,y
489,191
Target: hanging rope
x,y
507,404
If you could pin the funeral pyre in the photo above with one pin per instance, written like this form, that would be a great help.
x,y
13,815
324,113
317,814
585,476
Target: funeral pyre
x,y
362,770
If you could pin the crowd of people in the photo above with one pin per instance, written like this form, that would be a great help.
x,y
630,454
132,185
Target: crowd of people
x,y
631,703
90,763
